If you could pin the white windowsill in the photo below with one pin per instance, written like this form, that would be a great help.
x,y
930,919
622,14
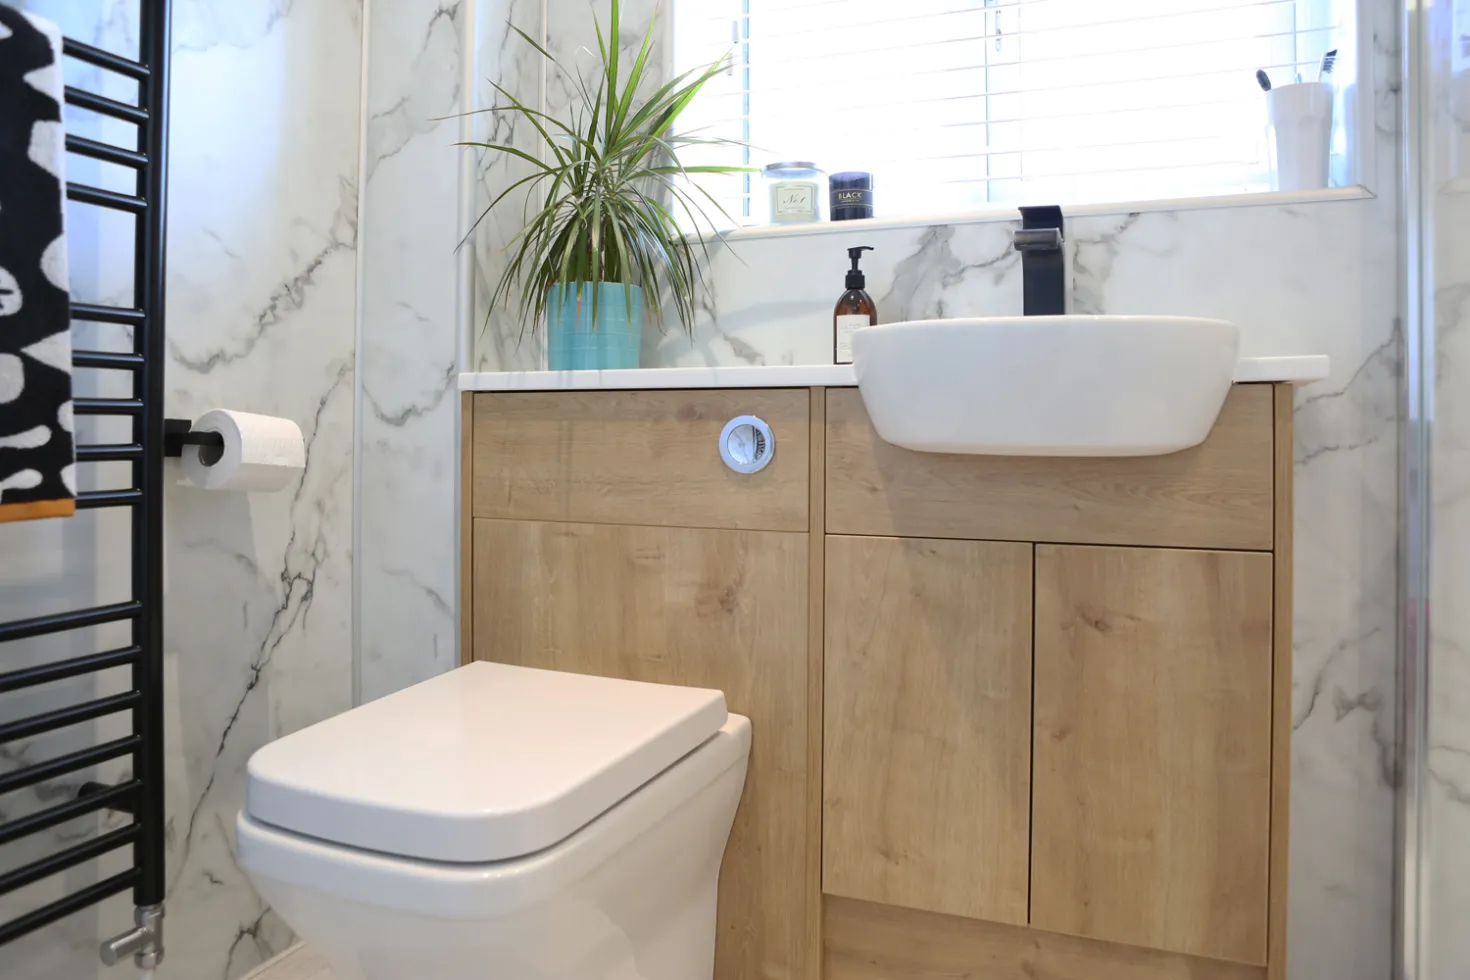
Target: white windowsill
x,y
1274,198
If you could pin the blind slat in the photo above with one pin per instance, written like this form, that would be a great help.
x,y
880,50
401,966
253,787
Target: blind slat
x,y
1022,60
1028,147
775,13
1246,71
775,33
728,121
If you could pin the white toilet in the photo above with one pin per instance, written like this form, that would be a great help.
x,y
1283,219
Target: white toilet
x,y
502,823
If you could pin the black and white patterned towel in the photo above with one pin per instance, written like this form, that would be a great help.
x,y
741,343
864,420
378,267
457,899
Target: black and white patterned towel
x,y
37,452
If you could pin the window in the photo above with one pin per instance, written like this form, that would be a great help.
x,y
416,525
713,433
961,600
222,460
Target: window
x,y
961,105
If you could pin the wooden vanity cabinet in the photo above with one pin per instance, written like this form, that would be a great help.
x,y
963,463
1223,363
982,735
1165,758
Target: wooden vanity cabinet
x,y
1094,784
1012,718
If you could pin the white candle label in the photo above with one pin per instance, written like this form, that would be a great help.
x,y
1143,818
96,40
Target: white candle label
x,y
794,198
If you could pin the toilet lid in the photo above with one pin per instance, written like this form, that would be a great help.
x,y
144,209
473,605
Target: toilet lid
x,y
485,763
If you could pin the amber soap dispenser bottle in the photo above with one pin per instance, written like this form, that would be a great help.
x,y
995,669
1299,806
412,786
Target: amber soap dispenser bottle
x,y
855,309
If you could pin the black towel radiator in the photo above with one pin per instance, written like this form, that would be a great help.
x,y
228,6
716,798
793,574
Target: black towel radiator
x,y
140,795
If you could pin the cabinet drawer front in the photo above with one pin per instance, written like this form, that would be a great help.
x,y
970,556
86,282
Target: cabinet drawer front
x,y
1217,495
638,457
1153,748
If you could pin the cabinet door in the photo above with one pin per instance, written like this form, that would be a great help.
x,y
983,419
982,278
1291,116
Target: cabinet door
x,y
927,724
1152,748
705,608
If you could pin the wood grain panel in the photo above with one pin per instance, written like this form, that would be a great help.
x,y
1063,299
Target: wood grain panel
x,y
1153,748
880,942
1217,495
705,608
638,457
1281,727
927,784
815,653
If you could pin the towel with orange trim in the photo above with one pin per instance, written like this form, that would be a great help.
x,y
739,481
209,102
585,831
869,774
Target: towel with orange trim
x,y
37,449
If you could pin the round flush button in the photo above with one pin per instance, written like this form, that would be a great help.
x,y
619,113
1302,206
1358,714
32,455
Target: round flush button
x,y
746,444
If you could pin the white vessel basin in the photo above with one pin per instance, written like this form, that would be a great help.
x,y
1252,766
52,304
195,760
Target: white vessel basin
x,y
1047,386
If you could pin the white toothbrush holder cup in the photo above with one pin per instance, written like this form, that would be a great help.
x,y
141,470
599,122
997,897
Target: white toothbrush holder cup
x,y
1300,131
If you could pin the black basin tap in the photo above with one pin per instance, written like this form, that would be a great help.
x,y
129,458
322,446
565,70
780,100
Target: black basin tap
x,y
1043,265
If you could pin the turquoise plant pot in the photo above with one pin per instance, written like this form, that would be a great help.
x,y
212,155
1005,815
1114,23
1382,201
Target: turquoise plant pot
x,y
575,343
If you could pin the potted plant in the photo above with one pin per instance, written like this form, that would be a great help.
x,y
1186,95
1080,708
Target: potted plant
x,y
601,248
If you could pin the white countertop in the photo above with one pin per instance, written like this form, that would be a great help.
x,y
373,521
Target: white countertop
x,y
1301,369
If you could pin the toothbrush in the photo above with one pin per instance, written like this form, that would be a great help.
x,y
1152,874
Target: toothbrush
x,y
1263,80
1329,62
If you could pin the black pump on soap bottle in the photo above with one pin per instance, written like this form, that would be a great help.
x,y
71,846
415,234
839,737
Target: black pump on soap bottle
x,y
855,309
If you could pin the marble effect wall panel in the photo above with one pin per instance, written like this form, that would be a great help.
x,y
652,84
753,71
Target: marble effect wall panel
x,y
261,310
409,450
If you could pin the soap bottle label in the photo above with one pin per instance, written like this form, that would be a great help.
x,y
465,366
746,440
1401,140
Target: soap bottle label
x,y
845,326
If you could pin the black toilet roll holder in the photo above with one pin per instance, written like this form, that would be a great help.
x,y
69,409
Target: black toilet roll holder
x,y
178,433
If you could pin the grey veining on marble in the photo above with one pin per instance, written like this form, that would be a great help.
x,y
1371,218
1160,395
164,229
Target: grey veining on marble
x,y
408,524
261,289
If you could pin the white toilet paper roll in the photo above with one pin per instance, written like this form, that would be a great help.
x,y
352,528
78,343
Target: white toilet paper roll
x,y
262,453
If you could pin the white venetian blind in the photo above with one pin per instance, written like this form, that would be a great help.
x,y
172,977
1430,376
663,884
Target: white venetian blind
x,y
965,104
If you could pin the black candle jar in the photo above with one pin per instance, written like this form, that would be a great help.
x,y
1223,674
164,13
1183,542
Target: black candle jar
x,y
851,196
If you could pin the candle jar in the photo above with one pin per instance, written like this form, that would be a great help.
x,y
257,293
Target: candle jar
x,y
794,192
852,196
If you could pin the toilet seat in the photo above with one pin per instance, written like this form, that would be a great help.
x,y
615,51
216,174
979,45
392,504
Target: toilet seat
x,y
484,764
491,889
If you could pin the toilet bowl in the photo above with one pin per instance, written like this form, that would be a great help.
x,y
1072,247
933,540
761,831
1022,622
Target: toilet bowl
x,y
502,823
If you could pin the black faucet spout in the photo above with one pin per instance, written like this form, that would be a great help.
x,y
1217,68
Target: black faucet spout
x,y
1043,264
